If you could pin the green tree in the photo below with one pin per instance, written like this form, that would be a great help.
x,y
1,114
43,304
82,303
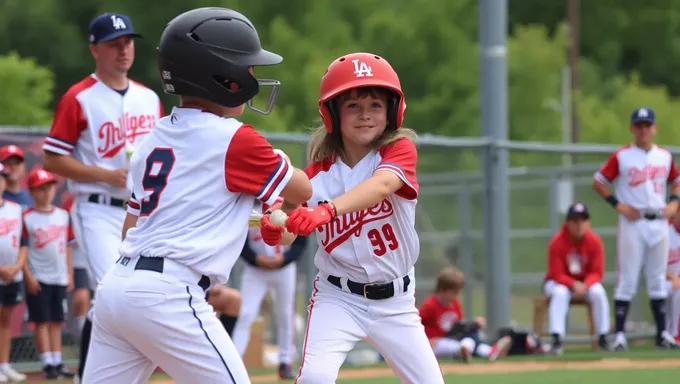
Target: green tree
x,y
26,91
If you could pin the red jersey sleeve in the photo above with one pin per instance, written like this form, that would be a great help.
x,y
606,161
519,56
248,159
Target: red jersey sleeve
x,y
428,317
596,264
609,170
251,166
673,175
557,266
68,122
401,158
70,237
161,112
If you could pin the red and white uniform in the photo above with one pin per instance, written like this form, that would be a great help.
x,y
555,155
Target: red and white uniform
x,y
195,180
641,180
377,245
218,182
570,261
97,126
94,123
10,236
673,318
437,318
47,235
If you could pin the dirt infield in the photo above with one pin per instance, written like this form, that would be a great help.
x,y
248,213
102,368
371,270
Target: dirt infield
x,y
498,367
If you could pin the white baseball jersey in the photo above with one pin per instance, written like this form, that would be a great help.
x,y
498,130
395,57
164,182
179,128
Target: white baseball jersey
x,y
640,177
196,177
47,234
674,250
378,244
10,235
95,123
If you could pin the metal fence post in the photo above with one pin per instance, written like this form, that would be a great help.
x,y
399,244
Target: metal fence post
x,y
466,263
494,122
553,200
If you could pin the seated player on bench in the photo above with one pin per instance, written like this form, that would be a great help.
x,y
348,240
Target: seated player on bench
x,y
575,270
443,319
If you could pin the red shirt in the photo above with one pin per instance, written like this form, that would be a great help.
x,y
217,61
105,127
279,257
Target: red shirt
x,y
437,318
570,261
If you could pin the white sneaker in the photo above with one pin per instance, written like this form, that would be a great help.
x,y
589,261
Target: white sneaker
x,y
14,376
76,379
3,378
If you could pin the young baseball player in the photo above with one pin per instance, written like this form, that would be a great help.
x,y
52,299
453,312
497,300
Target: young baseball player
x,y
575,269
12,261
49,271
195,180
96,123
673,277
80,299
641,172
442,311
270,269
12,157
227,304
362,167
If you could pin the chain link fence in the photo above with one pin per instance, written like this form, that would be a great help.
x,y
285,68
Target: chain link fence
x,y
543,182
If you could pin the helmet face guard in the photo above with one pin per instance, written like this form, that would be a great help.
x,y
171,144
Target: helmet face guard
x,y
274,86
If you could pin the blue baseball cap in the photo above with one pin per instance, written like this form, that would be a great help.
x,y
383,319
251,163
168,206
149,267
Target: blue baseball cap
x,y
643,115
110,26
578,210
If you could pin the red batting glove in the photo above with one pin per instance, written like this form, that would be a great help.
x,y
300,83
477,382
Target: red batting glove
x,y
303,221
271,234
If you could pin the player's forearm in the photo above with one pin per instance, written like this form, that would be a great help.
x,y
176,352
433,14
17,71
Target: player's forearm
x,y
70,168
601,189
299,188
365,195
21,260
69,261
130,222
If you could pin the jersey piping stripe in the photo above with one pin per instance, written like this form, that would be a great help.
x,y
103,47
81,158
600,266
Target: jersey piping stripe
x,y
309,320
200,324
57,146
273,181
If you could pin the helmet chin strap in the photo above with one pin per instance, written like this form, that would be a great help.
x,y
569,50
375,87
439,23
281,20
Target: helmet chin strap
x,y
273,94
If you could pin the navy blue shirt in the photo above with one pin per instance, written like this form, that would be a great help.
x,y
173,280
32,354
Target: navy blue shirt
x,y
22,198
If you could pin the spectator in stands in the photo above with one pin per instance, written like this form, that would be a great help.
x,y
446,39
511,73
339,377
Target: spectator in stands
x,y
12,157
11,277
450,335
575,270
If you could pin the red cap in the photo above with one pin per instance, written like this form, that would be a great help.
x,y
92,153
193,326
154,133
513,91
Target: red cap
x,y
39,177
11,150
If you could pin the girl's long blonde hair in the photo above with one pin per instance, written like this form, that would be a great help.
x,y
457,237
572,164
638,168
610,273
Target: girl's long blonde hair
x,y
324,145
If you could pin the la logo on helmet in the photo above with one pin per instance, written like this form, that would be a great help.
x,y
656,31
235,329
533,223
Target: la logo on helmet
x,y
362,69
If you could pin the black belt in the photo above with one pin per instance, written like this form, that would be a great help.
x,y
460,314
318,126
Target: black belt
x,y
155,264
370,291
652,216
95,198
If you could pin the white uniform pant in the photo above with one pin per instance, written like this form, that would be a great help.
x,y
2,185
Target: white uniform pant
x,y
256,282
145,319
673,313
338,319
560,296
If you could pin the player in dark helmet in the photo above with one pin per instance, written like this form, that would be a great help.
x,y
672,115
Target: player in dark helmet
x,y
209,53
195,178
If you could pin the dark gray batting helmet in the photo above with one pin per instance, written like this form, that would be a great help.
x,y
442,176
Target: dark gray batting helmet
x,y
208,52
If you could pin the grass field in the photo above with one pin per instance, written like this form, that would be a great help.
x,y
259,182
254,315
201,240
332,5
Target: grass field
x,y
576,365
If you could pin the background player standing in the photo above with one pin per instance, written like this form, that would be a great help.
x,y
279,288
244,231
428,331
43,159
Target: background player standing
x,y
48,273
641,172
184,230
94,123
575,269
673,277
441,314
11,277
269,269
12,157
362,168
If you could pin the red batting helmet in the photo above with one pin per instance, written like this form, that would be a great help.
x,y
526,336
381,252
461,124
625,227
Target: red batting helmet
x,y
360,70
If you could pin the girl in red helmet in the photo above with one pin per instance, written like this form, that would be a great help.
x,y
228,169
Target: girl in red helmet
x,y
363,173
